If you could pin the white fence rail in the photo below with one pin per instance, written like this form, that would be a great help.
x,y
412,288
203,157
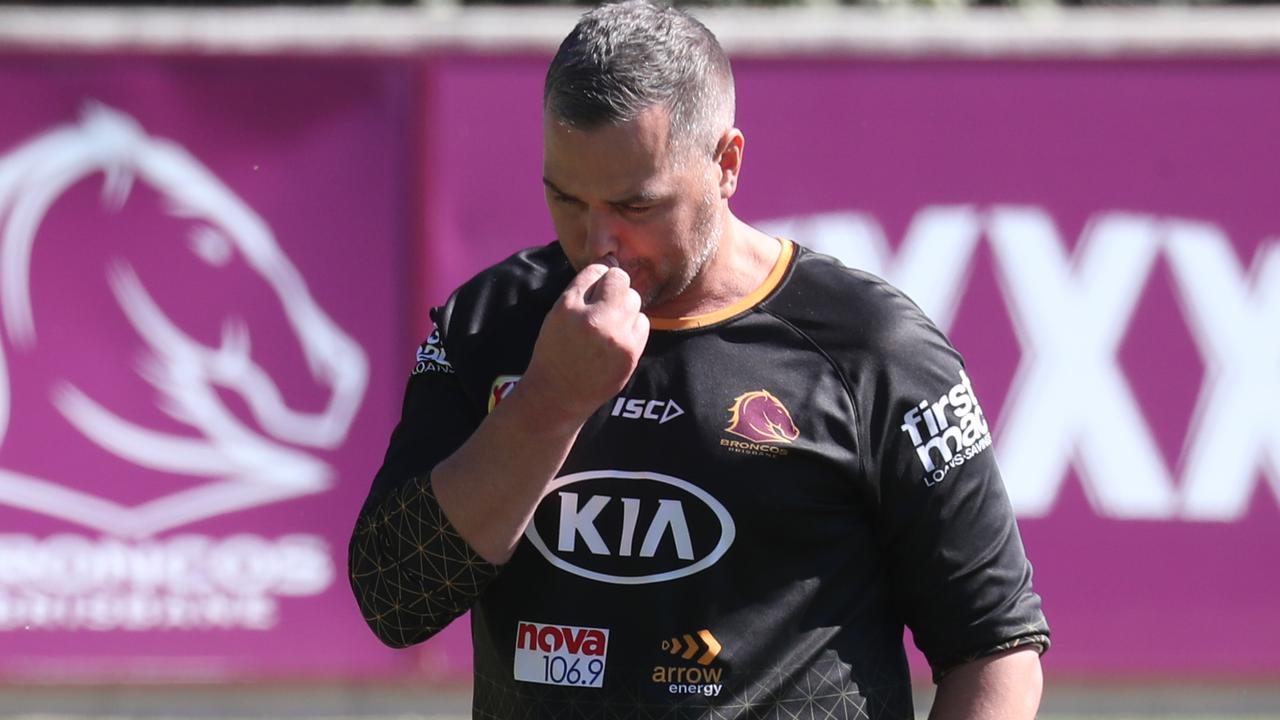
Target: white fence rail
x,y
1030,31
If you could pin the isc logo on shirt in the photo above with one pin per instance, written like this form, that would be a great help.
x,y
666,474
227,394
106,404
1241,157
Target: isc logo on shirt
x,y
560,654
636,409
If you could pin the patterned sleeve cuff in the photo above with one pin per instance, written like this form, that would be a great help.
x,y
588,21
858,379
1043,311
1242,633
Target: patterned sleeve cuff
x,y
1039,641
412,573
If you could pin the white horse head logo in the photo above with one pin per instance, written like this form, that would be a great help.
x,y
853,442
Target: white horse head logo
x,y
243,464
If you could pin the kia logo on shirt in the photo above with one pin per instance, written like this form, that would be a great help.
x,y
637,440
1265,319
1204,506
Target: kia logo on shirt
x,y
630,528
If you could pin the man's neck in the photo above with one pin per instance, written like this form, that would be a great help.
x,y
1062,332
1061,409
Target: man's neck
x,y
741,264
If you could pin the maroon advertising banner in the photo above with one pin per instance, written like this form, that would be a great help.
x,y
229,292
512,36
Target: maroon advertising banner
x,y
201,355
1098,238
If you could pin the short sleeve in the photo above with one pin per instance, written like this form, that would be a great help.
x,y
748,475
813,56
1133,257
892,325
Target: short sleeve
x,y
411,572
957,567
436,418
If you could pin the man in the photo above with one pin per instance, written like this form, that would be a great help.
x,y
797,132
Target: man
x,y
679,468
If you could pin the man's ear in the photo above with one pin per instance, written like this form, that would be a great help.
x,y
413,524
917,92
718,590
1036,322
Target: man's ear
x,y
729,160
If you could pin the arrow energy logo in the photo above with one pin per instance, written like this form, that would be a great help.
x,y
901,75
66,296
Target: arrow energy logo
x,y
702,648
690,647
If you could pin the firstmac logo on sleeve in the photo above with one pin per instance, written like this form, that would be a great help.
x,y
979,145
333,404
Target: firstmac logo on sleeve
x,y
560,654
948,432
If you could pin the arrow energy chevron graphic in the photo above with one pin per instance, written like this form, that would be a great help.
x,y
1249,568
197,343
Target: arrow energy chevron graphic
x,y
710,647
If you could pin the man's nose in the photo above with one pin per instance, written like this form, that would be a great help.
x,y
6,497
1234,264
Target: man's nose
x,y
602,232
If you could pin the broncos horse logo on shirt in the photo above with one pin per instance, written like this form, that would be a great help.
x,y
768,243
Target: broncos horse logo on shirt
x,y
761,417
202,422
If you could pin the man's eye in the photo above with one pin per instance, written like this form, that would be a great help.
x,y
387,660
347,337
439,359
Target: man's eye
x,y
636,209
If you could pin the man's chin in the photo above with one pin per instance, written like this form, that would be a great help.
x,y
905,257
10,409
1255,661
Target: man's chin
x,y
659,304
648,301
650,295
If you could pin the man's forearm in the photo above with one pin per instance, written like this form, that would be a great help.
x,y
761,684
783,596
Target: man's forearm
x,y
417,562
412,574
586,350
491,485
424,554
1005,686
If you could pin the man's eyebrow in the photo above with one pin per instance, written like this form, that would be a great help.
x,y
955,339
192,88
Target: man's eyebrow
x,y
552,186
640,197
643,197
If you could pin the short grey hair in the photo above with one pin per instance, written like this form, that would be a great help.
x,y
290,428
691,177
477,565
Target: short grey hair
x,y
624,58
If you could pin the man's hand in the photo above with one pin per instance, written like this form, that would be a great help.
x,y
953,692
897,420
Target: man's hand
x,y
589,345
586,351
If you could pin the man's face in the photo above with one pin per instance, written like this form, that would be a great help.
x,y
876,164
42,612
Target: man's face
x,y
622,190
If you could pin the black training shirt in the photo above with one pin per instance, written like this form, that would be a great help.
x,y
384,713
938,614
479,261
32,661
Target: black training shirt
x,y
743,532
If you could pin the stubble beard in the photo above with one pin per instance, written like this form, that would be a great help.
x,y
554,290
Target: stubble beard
x,y
707,230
